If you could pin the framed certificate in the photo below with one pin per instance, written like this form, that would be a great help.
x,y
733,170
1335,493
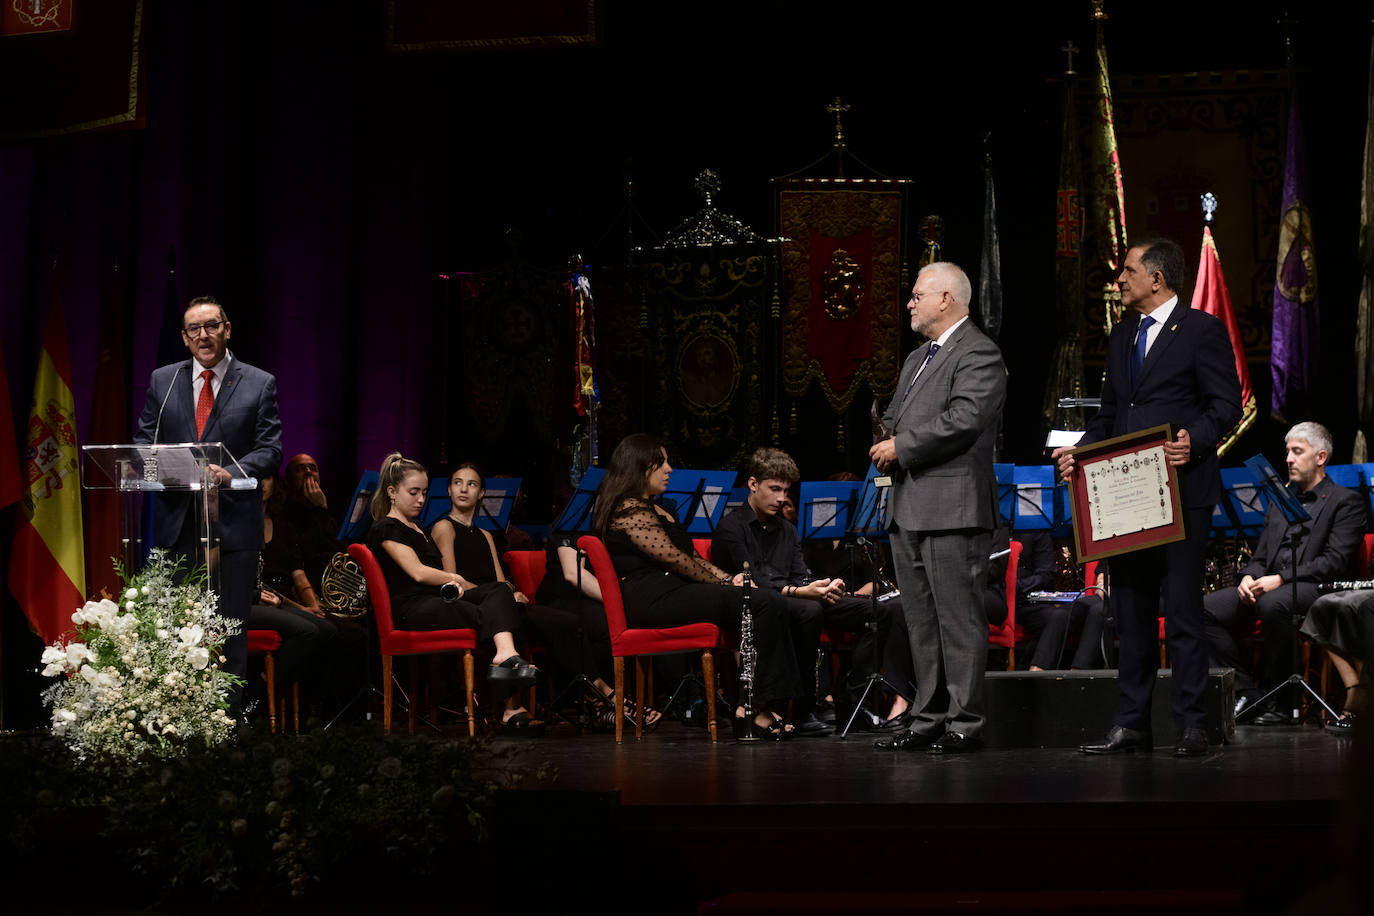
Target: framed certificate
x,y
1124,495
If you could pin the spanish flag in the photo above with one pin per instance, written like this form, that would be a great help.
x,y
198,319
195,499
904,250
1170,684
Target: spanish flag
x,y
1210,295
47,569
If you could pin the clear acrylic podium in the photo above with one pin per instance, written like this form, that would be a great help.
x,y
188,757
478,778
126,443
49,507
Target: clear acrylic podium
x,y
176,472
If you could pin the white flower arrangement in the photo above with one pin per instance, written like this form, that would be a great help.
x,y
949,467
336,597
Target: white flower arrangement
x,y
143,677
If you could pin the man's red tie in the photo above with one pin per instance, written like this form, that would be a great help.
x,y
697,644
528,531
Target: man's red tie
x,y
206,403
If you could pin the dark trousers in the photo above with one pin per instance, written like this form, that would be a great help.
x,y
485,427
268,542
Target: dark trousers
x,y
1229,620
657,600
1139,580
489,609
941,575
1052,622
575,633
806,619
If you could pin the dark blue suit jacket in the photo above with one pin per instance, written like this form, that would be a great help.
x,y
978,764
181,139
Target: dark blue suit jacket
x,y
244,418
1188,380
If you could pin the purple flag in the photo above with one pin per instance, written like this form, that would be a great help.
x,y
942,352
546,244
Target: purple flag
x,y
1293,356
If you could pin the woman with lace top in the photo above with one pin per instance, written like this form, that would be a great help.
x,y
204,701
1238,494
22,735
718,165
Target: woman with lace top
x,y
665,583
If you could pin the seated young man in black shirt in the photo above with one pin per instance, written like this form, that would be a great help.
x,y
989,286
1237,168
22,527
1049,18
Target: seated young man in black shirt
x,y
758,534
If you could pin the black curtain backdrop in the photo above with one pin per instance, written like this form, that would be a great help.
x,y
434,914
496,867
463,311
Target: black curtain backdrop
x,y
319,185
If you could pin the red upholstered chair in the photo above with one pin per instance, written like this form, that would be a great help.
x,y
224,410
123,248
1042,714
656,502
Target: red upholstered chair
x,y
1009,634
526,570
638,643
1366,550
392,642
703,547
268,642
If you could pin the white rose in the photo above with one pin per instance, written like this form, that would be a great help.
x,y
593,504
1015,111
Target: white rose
x,y
130,606
91,675
146,590
199,657
131,593
191,636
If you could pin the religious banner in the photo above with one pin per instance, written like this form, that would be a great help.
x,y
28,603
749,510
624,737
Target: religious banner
x,y
708,327
1210,295
26,17
1066,365
1108,200
1364,331
842,259
1293,348
428,26
63,80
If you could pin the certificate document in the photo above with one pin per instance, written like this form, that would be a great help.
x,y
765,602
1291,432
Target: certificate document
x,y
1124,495
1129,493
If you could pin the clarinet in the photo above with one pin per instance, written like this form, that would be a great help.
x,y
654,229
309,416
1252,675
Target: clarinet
x,y
748,657
1342,585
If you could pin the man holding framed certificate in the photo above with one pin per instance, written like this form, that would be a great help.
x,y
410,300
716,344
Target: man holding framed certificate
x,y
1166,365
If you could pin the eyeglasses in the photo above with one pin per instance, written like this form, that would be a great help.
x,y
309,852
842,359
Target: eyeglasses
x,y
918,295
209,327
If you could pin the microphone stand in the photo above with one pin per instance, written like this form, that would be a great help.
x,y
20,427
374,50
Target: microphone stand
x,y
1296,531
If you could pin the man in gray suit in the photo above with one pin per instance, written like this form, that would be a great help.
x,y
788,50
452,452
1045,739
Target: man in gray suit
x,y
213,397
943,508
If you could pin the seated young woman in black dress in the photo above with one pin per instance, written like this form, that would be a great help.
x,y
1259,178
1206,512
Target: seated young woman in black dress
x,y
415,576
666,584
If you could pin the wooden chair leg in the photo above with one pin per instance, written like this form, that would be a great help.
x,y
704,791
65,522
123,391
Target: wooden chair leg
x,y
296,706
619,699
708,674
1011,658
640,662
413,669
269,666
470,685
386,694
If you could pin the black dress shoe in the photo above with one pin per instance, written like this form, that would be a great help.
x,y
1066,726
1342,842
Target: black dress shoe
x,y
1192,743
1120,741
1344,724
811,727
952,742
906,741
1271,718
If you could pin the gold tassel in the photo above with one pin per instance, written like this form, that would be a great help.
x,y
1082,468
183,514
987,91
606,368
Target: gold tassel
x,y
792,420
840,437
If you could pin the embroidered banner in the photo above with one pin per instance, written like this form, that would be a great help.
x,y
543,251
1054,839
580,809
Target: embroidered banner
x,y
842,259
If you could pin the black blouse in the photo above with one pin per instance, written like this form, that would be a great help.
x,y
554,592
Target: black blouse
x,y
641,540
405,591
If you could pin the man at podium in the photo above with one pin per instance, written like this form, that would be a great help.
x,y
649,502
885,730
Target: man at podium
x,y
213,397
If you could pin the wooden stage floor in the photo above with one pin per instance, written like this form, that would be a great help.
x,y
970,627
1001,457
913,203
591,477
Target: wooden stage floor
x,y
825,825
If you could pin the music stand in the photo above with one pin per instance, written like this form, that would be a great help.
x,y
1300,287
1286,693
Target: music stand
x,y
359,517
1295,514
493,512
698,498
865,528
576,520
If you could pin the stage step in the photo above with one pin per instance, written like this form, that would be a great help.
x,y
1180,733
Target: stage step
x,y
1069,708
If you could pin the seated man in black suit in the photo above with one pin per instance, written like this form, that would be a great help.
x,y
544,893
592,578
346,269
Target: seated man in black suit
x,y
756,533
306,512
1325,551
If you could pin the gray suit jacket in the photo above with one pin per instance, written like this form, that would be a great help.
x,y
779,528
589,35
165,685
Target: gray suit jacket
x,y
944,430
244,418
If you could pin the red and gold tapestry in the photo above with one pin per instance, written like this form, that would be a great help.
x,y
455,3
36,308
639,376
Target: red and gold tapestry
x,y
842,259
70,67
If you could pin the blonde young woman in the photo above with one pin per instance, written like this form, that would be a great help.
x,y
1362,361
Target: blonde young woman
x,y
425,596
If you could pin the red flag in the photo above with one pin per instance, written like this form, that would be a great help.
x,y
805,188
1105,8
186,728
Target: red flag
x,y
109,426
47,574
1209,294
10,489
